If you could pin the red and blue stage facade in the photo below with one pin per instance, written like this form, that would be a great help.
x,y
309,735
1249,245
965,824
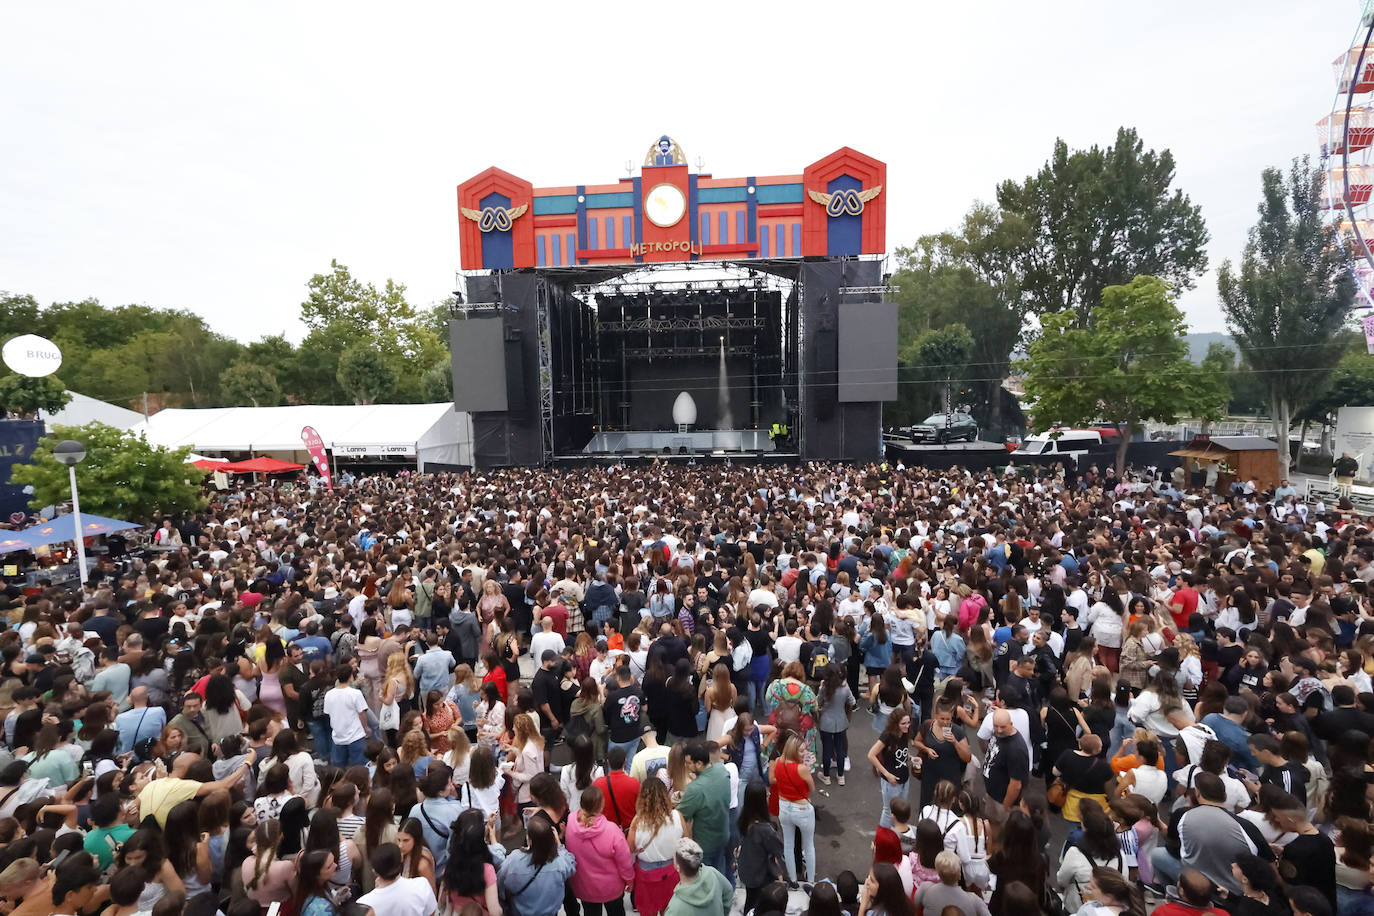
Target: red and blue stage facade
x,y
836,207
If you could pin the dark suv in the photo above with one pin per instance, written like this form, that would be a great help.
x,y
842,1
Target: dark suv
x,y
934,429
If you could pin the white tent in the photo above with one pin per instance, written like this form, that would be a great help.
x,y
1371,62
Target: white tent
x,y
427,433
81,410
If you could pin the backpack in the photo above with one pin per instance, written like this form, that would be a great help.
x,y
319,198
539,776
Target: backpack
x,y
344,644
577,725
819,665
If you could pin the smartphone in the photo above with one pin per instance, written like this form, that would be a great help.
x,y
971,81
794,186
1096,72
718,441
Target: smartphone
x,y
274,909
57,861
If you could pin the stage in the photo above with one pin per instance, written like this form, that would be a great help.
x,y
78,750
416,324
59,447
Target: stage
x,y
694,442
591,314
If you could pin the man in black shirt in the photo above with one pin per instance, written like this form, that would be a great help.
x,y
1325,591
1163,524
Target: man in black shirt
x,y
1007,767
1277,770
625,713
546,692
1310,857
1331,724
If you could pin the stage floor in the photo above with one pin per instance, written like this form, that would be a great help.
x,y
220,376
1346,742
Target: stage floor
x,y
692,442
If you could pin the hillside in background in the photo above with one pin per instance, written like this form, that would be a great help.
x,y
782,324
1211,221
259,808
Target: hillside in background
x,y
1198,344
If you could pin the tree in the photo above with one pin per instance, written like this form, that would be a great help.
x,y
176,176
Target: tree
x,y
248,383
965,277
936,359
365,375
122,476
1288,304
1131,366
1099,217
22,396
437,384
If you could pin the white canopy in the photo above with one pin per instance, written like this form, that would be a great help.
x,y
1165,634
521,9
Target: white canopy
x,y
429,433
81,410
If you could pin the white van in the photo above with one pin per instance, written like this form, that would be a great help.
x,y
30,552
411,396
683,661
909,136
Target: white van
x,y
1068,444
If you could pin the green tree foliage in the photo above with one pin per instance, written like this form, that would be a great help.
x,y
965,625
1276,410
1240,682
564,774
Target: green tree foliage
x,y
935,359
21,396
249,384
1099,217
365,375
122,476
1352,385
1132,365
1288,303
437,384
965,278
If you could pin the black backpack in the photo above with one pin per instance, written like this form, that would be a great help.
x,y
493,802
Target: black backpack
x,y
577,725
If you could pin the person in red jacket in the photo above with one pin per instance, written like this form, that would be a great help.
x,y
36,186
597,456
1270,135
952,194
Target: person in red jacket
x,y
621,790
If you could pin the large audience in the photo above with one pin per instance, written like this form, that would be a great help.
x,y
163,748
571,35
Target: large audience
x,y
1025,691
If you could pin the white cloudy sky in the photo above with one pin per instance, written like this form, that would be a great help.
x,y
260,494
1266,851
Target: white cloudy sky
x,y
213,157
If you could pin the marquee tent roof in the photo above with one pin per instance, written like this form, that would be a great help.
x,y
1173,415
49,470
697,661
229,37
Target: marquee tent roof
x,y
58,530
81,410
262,465
430,432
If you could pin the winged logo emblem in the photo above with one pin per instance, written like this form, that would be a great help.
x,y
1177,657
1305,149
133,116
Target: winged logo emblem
x,y
845,202
497,219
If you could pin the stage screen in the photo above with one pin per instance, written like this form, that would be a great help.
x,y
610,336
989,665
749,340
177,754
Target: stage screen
x,y
868,351
655,386
479,364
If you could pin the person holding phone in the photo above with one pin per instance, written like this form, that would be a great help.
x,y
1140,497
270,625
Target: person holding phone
x,y
944,745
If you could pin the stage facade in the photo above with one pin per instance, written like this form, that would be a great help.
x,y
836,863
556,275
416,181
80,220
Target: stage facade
x,y
676,314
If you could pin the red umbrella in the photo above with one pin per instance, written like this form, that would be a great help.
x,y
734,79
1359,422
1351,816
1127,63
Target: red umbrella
x,y
207,465
262,465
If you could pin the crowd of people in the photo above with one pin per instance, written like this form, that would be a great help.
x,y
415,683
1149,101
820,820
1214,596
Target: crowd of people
x,y
587,689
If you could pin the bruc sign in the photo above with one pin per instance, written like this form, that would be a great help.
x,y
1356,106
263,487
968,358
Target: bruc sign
x,y
31,355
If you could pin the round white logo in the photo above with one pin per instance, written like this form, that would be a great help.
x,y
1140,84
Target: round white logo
x,y
31,355
665,205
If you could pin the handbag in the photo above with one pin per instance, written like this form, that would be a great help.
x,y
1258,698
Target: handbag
x,y
390,716
1057,792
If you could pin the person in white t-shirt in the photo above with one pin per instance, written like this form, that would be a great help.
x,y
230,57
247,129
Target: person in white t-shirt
x,y
347,712
394,895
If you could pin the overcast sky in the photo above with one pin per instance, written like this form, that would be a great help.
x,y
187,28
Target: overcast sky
x,y
213,158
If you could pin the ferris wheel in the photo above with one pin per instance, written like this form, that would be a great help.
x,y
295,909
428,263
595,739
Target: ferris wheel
x,y
1347,138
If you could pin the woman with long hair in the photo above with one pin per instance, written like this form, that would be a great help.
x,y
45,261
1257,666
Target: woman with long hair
x,y
267,879
398,684
416,859
415,752
720,698
683,701
1019,859
458,757
482,788
581,772
439,717
588,708
1189,674
269,670
653,835
491,715
1161,709
323,834
48,759
874,643
533,879
836,704
883,893
189,854
224,710
761,846
1096,846
969,840
470,872
796,813
528,747
286,750
891,759
145,849
1107,618
315,883
1109,893
379,826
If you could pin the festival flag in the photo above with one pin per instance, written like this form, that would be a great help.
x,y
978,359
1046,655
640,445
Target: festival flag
x,y
315,446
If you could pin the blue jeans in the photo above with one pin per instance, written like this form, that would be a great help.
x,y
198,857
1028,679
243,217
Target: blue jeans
x,y
1167,868
324,739
890,792
719,859
793,816
631,748
834,746
349,755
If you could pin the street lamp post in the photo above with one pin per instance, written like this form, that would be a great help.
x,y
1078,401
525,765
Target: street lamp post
x,y
71,453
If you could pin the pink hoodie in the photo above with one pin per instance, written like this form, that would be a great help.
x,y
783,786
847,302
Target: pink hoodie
x,y
604,865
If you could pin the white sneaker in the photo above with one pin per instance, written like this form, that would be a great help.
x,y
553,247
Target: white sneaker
x,y
846,767
825,780
841,779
